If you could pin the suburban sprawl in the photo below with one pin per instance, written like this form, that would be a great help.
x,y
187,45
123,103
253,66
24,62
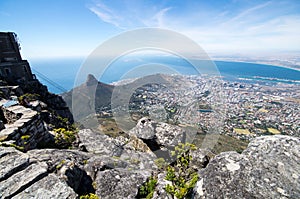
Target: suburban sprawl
x,y
241,110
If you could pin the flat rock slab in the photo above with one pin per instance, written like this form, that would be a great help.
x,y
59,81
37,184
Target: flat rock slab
x,y
12,163
6,151
20,109
49,187
9,129
21,180
27,175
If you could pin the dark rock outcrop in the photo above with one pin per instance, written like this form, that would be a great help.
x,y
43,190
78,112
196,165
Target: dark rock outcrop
x,y
55,103
27,119
268,168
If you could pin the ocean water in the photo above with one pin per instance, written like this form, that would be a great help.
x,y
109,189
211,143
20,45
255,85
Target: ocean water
x,y
60,74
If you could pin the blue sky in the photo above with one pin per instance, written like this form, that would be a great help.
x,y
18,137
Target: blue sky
x,y
70,28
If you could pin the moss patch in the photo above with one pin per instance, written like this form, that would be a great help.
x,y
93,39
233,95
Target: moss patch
x,y
273,131
242,131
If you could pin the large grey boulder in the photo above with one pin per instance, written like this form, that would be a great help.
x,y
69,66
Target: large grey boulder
x,y
120,183
200,158
158,136
268,168
129,149
98,143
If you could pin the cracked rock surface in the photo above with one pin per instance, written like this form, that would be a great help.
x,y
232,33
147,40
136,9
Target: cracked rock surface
x,y
268,168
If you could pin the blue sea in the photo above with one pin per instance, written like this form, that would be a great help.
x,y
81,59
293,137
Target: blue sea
x,y
59,74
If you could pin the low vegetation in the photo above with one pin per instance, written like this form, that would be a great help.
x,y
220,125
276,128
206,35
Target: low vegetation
x,y
25,137
147,190
65,133
29,96
220,143
179,173
20,148
183,178
64,138
89,196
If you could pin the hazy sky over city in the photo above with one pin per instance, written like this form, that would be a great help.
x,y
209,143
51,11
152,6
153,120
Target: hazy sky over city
x,y
67,28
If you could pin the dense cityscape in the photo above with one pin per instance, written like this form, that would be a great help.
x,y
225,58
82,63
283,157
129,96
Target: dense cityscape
x,y
246,110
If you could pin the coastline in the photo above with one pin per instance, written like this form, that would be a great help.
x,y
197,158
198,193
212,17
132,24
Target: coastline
x,y
267,63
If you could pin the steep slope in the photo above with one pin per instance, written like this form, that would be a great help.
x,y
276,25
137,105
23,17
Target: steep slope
x,y
88,97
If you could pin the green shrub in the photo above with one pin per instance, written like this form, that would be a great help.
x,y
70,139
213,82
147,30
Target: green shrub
x,y
181,175
64,123
29,96
147,190
85,162
64,138
94,184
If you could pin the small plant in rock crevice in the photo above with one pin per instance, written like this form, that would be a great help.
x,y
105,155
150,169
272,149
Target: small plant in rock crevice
x,y
161,163
64,138
147,189
89,196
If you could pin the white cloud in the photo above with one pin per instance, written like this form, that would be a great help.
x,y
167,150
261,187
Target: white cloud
x,y
132,17
159,17
245,14
262,27
106,15
156,19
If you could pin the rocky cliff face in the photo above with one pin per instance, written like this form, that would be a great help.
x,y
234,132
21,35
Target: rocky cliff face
x,y
24,127
54,102
118,167
28,113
